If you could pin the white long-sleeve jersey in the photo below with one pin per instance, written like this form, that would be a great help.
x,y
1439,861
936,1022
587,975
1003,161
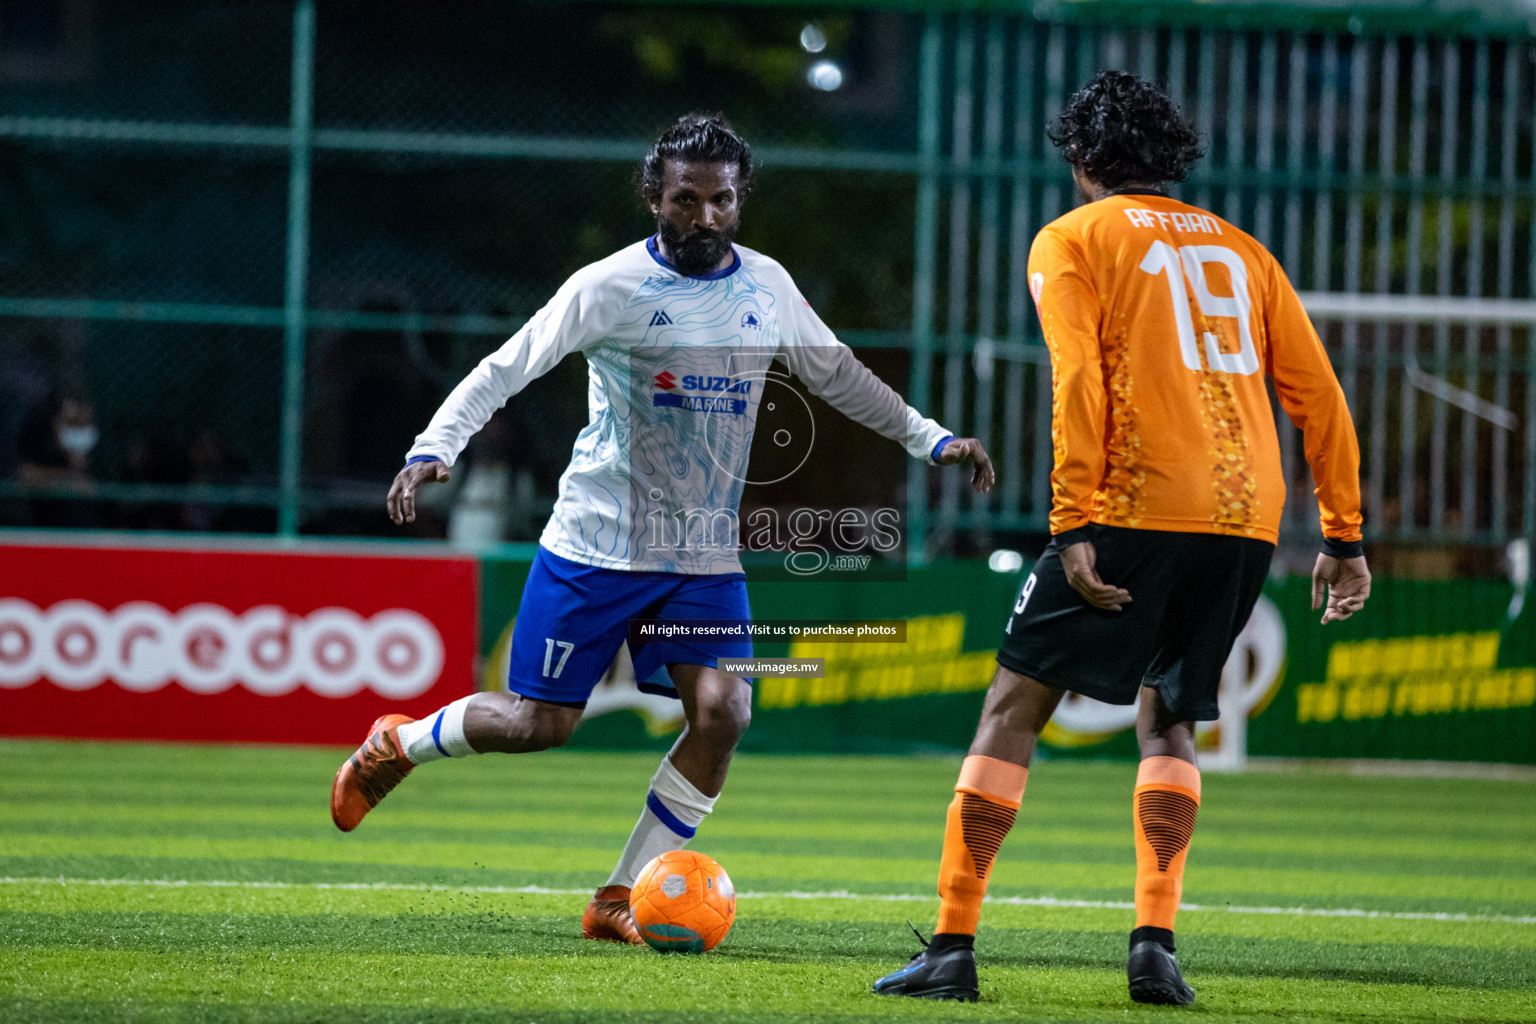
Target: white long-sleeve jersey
x,y
676,367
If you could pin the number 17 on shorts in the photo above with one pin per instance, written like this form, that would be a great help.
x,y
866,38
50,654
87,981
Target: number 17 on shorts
x,y
551,658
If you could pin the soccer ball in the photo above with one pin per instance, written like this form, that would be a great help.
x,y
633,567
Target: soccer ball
x,y
683,902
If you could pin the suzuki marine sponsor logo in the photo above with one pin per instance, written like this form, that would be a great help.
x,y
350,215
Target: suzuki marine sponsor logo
x,y
701,393
206,648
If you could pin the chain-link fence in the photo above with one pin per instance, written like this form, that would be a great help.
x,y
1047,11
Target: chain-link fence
x,y
258,241
1371,165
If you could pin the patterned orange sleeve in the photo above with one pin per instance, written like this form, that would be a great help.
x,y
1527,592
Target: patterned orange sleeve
x,y
1312,398
1068,303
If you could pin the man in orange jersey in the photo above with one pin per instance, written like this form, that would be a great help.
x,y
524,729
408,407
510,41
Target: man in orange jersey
x,y
1167,491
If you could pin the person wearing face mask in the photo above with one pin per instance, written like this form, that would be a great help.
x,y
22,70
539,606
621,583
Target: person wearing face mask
x,y
53,451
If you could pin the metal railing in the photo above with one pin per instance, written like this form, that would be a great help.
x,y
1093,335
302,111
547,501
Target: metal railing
x,y
1317,145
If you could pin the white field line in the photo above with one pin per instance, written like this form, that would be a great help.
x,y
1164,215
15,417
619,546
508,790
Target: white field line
x,y
837,894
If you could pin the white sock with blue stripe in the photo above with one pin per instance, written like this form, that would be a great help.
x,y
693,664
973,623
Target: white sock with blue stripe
x,y
439,735
673,812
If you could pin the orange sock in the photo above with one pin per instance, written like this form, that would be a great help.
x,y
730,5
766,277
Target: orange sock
x,y
1166,801
987,797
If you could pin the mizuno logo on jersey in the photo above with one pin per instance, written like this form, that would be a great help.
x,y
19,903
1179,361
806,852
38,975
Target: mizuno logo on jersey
x,y
659,318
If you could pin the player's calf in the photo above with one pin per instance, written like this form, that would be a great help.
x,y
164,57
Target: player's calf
x,y
508,723
718,709
674,809
987,797
722,723
1164,806
682,793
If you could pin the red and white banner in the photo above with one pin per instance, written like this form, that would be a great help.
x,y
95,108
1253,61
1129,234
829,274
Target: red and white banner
x,y
247,646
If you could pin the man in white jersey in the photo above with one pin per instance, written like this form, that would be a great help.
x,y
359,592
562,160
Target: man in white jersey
x,y
679,332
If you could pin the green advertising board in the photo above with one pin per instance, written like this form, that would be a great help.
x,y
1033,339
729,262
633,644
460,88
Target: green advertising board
x,y
1430,669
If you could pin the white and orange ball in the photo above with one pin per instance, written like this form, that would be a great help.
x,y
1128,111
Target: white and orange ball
x,y
683,902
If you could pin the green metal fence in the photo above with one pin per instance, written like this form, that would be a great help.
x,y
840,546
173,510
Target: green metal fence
x,y
1382,170
331,214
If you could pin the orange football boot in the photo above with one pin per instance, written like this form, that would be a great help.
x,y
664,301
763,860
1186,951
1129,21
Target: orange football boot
x,y
368,776
608,917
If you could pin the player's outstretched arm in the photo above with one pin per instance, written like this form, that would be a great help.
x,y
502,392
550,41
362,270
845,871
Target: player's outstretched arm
x,y
968,449
834,374
402,493
578,316
1346,583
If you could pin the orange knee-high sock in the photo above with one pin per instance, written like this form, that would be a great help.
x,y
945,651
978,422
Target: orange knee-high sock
x,y
1166,801
987,797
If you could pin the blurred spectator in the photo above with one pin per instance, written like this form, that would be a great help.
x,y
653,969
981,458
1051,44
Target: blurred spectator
x,y
206,459
24,380
493,501
210,464
479,515
153,458
53,451
57,436
367,396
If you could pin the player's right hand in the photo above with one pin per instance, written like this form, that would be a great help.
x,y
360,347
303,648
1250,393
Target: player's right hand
x,y
402,493
1078,561
1347,583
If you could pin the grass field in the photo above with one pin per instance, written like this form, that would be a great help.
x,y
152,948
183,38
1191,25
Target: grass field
x,y
148,883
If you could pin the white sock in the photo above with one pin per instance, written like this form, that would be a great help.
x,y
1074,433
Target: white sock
x,y
673,812
439,735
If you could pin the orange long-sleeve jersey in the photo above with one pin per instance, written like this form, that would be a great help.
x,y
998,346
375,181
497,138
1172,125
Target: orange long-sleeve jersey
x,y
1162,321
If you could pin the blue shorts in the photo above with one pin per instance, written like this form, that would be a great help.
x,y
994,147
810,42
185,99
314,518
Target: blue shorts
x,y
573,617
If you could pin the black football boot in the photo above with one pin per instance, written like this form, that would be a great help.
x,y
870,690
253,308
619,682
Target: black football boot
x,y
1153,969
944,969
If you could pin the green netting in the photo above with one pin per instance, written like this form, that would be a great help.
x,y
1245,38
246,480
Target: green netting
x,y
467,157
140,223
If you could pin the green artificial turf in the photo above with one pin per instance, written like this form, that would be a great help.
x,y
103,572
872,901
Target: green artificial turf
x,y
166,883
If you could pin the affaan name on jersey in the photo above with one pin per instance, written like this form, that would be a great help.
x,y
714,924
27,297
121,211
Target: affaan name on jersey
x,y
1178,221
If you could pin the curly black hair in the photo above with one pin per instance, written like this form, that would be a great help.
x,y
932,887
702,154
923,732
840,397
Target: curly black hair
x,y
1122,130
696,138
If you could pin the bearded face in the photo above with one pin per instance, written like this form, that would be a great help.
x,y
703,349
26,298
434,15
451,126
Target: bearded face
x,y
697,215
699,251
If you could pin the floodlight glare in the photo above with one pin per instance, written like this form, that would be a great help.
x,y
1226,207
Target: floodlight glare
x,y
1004,560
825,75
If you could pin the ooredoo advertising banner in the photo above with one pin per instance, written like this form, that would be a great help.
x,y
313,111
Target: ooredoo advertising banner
x,y
250,646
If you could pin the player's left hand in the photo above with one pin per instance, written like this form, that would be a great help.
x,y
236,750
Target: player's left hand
x,y
968,449
1346,582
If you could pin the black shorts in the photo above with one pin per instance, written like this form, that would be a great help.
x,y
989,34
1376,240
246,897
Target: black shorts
x,y
1191,594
